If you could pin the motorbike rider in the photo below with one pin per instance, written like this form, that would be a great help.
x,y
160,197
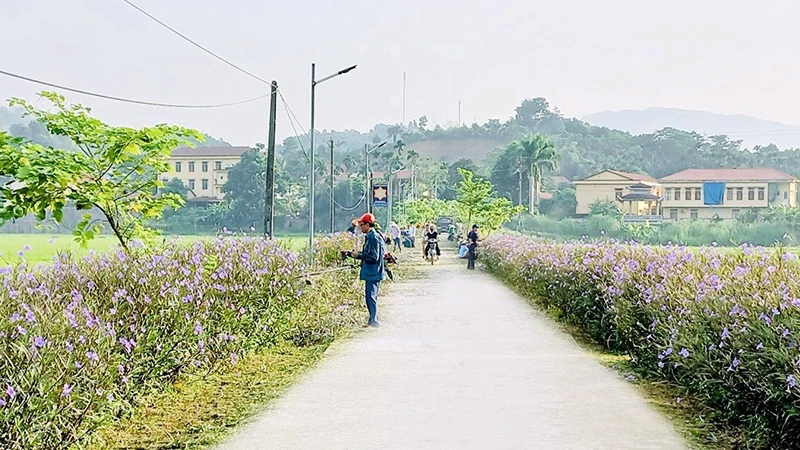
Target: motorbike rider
x,y
432,238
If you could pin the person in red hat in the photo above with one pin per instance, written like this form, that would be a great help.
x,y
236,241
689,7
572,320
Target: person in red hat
x,y
373,267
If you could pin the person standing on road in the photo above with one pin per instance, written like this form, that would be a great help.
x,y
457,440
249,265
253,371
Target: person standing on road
x,y
373,266
394,230
472,246
412,234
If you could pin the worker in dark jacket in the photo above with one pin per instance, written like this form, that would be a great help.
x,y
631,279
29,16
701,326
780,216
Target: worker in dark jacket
x,y
472,247
372,265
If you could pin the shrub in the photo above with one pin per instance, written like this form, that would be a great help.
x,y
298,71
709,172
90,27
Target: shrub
x,y
82,339
723,325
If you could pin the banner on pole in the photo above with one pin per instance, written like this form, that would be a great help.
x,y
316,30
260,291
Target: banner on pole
x,y
380,195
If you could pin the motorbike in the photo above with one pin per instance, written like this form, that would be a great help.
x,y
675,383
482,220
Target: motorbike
x,y
431,252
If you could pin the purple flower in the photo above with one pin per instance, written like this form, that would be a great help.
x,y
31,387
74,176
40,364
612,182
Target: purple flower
x,y
11,392
93,356
198,329
791,381
684,353
66,391
760,346
734,365
39,342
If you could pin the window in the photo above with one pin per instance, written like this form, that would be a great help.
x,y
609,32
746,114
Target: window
x,y
697,194
693,213
734,213
204,165
191,166
729,193
739,193
191,184
751,193
204,186
177,166
761,193
668,194
785,195
673,214
217,165
165,180
688,194
618,194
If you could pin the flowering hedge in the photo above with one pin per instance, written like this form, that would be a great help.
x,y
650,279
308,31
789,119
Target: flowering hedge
x,y
723,325
80,340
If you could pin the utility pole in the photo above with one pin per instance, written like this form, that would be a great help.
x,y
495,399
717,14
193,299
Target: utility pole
x,y
269,199
390,189
313,170
332,202
367,193
459,113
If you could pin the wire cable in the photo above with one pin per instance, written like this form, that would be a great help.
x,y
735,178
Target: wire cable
x,y
286,107
186,38
127,100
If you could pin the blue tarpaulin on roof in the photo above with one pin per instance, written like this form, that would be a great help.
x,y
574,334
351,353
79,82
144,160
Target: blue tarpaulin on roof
x,y
713,193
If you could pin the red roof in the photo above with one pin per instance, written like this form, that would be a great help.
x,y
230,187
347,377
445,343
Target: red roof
x,y
632,176
729,175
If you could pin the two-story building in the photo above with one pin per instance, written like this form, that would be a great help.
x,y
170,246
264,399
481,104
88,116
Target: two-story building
x,y
203,170
725,193
614,185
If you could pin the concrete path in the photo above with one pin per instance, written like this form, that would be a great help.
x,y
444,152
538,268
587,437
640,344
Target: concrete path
x,y
460,362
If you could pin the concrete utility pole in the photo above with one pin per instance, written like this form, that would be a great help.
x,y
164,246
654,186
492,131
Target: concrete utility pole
x,y
269,199
332,202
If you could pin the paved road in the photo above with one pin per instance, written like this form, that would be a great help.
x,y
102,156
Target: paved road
x,y
460,362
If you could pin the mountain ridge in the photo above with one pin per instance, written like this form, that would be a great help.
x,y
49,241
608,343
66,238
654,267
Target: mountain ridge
x,y
750,130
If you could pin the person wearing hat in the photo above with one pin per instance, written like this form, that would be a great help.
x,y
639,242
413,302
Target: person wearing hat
x,y
373,266
353,226
472,245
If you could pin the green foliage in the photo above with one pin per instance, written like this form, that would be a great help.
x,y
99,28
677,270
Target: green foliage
x,y
426,210
114,169
477,203
608,208
532,155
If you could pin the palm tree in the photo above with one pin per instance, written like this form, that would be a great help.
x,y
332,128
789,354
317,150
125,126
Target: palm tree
x,y
535,153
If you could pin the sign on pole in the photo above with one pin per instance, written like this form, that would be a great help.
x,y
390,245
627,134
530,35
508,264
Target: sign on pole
x,y
380,195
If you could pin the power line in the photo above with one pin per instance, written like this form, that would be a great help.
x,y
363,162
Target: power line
x,y
184,37
286,107
127,100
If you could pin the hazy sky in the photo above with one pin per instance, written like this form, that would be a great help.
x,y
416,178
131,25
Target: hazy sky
x,y
724,56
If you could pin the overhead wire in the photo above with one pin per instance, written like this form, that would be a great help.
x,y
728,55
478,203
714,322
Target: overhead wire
x,y
128,100
189,40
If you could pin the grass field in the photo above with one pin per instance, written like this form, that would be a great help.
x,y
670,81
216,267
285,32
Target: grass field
x,y
40,248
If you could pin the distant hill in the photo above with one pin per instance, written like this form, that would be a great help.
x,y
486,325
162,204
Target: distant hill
x,y
753,131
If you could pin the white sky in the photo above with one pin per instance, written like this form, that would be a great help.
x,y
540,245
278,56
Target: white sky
x,y
724,56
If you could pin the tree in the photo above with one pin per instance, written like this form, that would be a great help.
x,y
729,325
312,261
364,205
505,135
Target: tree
x,y
114,169
245,190
607,208
478,204
534,154
176,186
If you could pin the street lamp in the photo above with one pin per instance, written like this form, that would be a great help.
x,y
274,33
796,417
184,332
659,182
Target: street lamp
x,y
367,184
314,83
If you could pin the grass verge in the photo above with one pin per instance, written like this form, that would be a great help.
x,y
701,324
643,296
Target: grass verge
x,y
199,411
